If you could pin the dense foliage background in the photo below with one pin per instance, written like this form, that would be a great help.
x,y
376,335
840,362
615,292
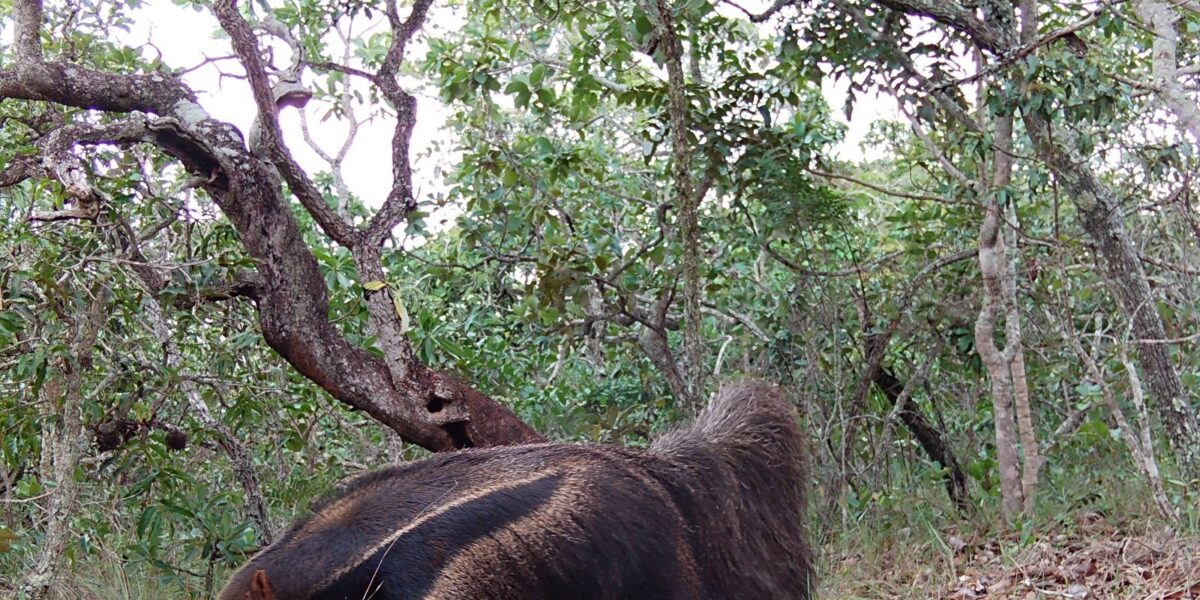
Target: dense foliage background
x,y
960,305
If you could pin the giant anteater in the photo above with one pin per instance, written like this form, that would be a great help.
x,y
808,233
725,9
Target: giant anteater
x,y
709,512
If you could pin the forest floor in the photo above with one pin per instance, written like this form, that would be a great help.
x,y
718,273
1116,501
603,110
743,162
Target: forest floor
x,y
1088,559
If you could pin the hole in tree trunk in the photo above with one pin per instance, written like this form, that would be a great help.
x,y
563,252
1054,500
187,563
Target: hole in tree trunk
x,y
458,433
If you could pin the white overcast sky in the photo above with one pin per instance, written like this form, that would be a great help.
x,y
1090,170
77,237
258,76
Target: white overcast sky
x,y
186,37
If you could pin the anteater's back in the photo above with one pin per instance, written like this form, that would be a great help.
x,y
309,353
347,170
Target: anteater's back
x,y
712,511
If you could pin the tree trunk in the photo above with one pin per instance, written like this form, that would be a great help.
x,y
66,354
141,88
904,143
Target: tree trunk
x,y
1015,346
695,359
932,440
63,443
425,407
1101,216
998,288
1160,18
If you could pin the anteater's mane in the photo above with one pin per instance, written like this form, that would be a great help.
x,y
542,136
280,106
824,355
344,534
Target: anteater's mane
x,y
738,474
368,480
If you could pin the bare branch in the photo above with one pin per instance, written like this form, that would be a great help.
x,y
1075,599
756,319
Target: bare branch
x,y
400,199
271,137
850,272
60,163
764,15
332,66
889,191
933,149
1020,52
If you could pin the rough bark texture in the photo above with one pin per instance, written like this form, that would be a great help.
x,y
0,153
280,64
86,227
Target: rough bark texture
x,y
64,441
425,407
960,17
1101,216
695,359
1161,19
657,348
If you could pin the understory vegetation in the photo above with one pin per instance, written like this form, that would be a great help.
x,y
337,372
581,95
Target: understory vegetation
x,y
985,306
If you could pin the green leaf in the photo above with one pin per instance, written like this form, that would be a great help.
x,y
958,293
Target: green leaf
x,y
537,75
374,286
522,99
643,25
545,147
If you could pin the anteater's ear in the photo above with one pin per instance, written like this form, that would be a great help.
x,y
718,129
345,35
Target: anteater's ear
x,y
260,587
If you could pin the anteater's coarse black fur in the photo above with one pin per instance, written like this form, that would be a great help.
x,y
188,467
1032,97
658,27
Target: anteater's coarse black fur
x,y
709,512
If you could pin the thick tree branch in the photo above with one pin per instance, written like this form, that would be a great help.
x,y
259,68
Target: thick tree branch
x,y
957,17
763,16
157,93
294,301
402,33
60,163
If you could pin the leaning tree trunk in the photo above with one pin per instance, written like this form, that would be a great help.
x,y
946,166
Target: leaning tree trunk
x,y
1101,215
425,407
1102,218
930,438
